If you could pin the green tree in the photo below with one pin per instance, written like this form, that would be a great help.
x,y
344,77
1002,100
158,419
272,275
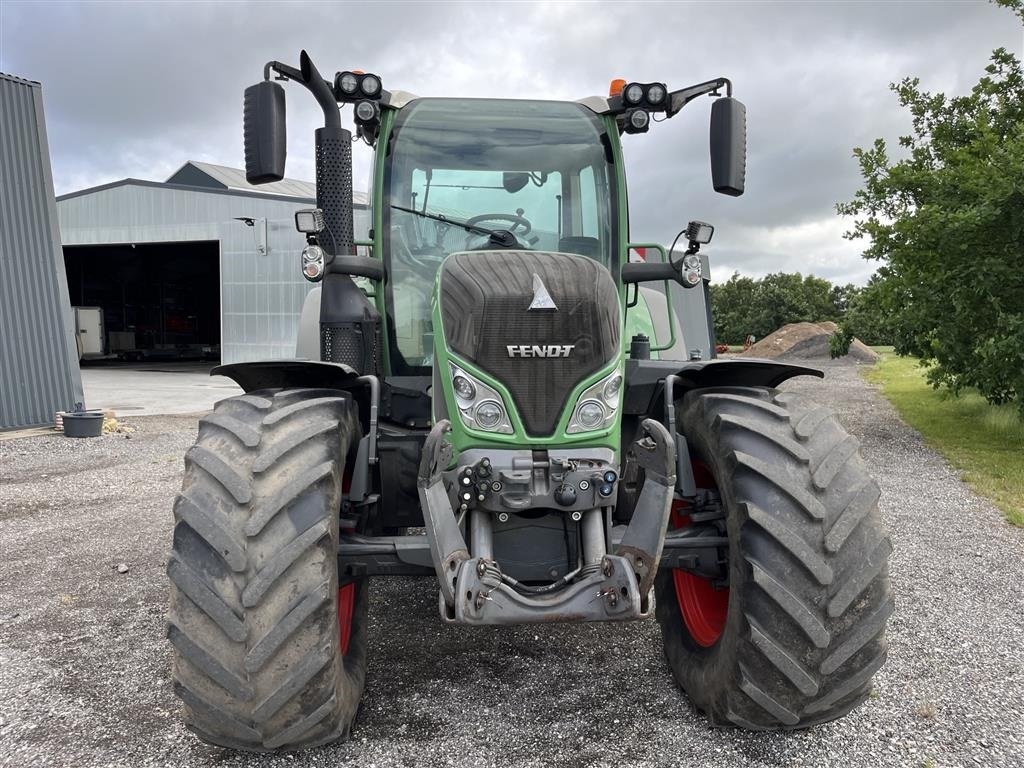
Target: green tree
x,y
947,220
743,306
870,311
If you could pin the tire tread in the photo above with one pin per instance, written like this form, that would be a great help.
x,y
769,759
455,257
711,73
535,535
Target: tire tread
x,y
809,588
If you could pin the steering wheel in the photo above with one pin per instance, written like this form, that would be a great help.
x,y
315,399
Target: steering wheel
x,y
515,219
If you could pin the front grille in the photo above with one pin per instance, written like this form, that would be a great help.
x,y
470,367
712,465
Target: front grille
x,y
485,300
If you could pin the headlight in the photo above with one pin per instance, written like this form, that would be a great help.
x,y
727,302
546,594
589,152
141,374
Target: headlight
x,y
488,414
590,414
596,407
691,269
480,406
610,390
313,263
464,388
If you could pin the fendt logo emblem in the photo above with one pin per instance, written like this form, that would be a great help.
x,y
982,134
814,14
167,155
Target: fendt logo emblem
x,y
540,350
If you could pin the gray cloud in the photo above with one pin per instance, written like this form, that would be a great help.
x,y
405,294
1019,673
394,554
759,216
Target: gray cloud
x,y
137,89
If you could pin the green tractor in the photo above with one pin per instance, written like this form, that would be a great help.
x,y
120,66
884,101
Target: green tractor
x,y
490,367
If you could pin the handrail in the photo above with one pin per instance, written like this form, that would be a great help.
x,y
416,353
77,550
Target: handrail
x,y
668,295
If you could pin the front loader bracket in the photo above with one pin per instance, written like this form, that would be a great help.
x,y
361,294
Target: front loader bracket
x,y
448,548
644,538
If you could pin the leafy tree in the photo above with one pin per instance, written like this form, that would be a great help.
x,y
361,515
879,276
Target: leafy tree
x,y
870,311
743,306
947,220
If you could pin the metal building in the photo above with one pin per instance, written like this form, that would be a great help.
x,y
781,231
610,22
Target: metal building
x,y
203,264
39,372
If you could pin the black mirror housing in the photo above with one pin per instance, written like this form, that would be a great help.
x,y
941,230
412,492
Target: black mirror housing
x,y
513,181
266,140
728,146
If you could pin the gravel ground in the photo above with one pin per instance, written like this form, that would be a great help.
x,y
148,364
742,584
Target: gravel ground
x,y
84,664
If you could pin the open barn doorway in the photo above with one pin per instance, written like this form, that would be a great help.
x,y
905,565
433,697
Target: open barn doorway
x,y
153,301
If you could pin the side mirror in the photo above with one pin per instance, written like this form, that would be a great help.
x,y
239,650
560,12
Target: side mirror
x,y
514,181
265,138
728,146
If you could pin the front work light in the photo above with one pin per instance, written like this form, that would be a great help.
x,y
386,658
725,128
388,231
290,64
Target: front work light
x,y
656,94
309,221
370,85
699,232
367,111
313,263
633,93
347,83
637,121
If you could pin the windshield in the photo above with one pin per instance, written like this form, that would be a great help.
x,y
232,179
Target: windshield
x,y
473,174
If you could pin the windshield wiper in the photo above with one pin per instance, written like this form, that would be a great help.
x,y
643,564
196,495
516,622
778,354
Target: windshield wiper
x,y
501,237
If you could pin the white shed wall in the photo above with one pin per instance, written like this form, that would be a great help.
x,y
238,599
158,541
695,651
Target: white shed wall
x,y
261,294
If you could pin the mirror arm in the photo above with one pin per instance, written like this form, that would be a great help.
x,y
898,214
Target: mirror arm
x,y
308,76
679,99
284,72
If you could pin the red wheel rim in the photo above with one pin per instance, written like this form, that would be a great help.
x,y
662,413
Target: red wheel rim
x,y
704,608
346,602
346,593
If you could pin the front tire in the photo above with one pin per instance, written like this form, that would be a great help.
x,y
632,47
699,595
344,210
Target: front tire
x,y
803,629
268,652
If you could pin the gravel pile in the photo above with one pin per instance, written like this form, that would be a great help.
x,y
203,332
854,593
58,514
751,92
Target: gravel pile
x,y
84,665
808,341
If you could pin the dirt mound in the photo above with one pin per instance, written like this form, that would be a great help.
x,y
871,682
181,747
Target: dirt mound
x,y
807,341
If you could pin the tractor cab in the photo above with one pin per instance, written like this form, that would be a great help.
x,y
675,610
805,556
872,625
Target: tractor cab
x,y
487,174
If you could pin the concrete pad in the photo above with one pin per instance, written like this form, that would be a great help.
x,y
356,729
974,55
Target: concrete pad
x,y
155,389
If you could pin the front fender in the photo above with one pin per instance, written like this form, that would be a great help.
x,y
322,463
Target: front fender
x,y
275,374
645,378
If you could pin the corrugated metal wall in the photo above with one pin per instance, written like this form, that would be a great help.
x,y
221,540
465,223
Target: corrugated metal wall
x,y
38,357
261,293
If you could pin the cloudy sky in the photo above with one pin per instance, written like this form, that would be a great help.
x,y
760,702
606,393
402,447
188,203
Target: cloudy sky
x,y
135,89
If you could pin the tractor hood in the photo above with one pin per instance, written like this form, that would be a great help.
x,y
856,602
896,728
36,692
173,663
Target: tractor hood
x,y
538,322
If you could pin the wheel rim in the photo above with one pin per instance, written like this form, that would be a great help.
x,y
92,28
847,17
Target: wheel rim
x,y
703,607
346,603
346,592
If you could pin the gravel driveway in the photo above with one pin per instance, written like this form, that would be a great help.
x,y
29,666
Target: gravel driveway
x,y
84,664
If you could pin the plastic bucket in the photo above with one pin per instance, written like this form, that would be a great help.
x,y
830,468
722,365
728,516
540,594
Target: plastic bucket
x,y
83,424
